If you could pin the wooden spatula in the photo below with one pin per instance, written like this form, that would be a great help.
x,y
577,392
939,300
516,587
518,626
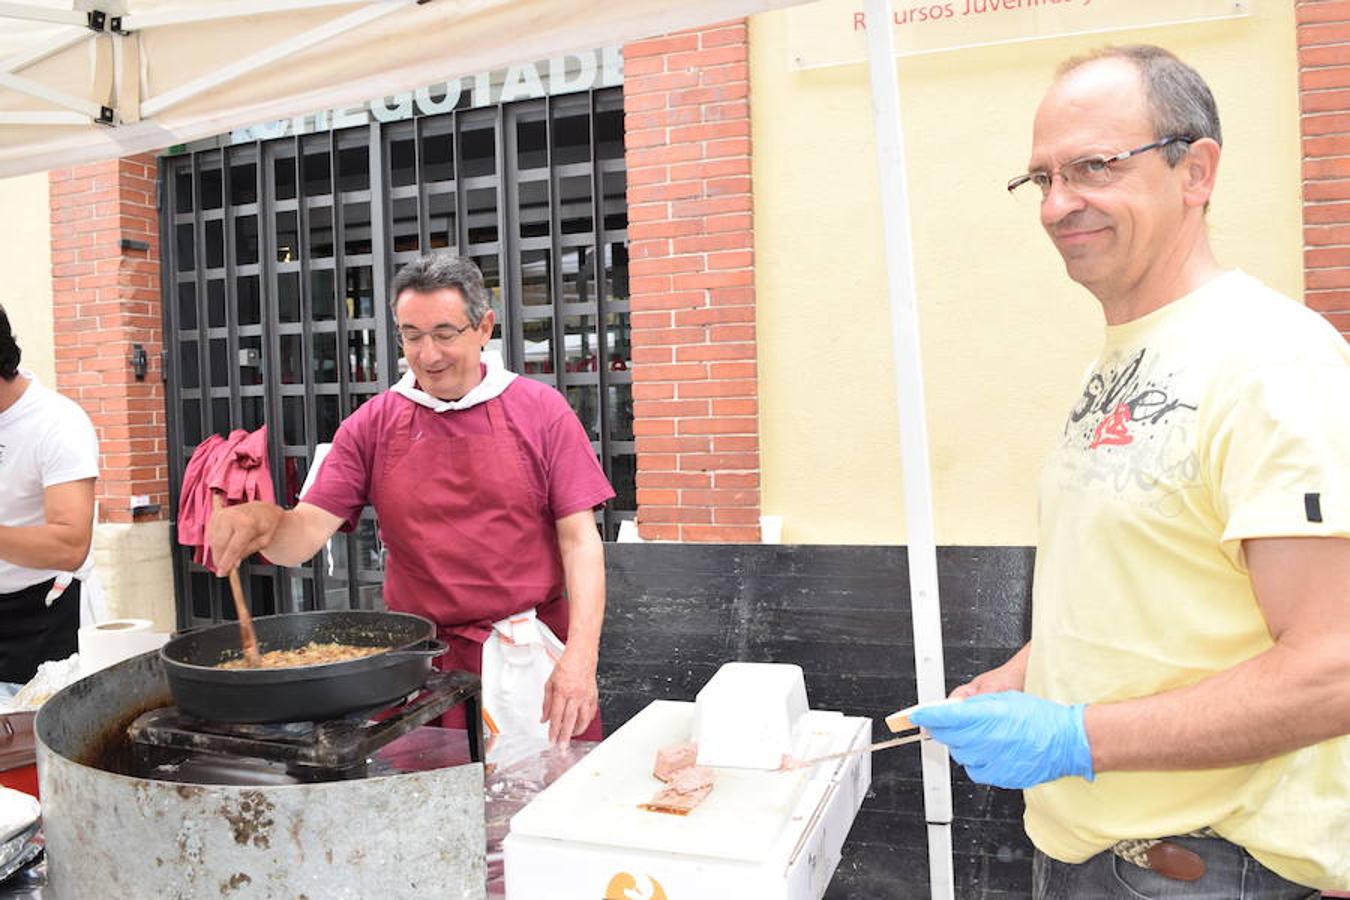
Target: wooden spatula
x,y
899,720
793,764
248,638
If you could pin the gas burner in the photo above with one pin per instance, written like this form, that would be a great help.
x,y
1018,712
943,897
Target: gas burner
x,y
272,731
331,750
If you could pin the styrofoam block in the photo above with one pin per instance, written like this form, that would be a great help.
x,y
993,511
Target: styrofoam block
x,y
745,714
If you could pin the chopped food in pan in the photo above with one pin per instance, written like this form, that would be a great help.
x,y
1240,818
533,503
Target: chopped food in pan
x,y
312,654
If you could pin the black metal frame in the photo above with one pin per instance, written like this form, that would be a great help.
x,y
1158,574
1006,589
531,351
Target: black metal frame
x,y
295,336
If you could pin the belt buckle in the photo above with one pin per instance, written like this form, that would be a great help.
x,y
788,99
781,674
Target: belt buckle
x,y
1166,857
1172,860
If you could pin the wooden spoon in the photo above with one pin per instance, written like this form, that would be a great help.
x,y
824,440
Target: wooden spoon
x,y
248,638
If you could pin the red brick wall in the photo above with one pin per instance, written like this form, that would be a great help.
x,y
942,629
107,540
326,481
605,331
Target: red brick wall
x,y
104,299
691,260
1324,100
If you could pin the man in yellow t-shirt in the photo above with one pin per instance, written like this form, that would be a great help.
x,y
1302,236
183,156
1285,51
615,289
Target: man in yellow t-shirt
x,y
1185,696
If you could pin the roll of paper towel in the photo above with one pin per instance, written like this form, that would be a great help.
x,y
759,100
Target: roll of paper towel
x,y
111,642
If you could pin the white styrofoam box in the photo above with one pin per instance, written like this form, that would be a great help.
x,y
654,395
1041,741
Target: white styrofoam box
x,y
761,835
745,714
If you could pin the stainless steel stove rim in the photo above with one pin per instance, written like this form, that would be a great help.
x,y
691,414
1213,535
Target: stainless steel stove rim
x,y
117,835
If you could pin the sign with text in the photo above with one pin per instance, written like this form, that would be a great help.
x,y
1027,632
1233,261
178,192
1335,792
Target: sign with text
x,y
573,72
834,32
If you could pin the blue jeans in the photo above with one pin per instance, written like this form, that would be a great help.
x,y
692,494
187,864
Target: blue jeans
x,y
1230,874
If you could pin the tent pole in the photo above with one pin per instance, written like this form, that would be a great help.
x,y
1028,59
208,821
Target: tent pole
x,y
295,43
43,118
22,85
38,52
30,12
159,18
922,545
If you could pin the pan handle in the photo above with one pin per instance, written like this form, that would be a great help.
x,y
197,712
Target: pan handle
x,y
431,648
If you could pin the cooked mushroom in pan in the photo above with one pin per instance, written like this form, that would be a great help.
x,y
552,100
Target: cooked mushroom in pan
x,y
312,654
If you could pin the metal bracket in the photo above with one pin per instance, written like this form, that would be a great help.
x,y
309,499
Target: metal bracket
x,y
106,115
132,244
100,21
140,361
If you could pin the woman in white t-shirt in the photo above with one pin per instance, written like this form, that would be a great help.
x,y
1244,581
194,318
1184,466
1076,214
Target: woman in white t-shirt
x,y
48,464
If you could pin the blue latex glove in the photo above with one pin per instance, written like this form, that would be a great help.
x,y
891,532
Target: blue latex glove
x,y
1011,739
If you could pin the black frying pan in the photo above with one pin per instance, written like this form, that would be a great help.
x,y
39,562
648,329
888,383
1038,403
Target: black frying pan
x,y
301,693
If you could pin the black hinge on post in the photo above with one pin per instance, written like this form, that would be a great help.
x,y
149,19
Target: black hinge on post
x,y
100,21
133,244
164,365
106,114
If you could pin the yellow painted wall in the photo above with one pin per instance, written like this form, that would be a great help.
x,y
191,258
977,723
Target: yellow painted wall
x,y
26,261
1006,335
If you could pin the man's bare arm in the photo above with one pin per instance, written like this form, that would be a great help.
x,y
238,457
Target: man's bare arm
x,y
571,699
288,537
62,542
1294,694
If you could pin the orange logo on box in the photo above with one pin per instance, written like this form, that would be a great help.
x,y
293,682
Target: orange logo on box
x,y
634,887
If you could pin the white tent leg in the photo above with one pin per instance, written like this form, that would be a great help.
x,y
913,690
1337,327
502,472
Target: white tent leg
x,y
940,858
127,77
922,545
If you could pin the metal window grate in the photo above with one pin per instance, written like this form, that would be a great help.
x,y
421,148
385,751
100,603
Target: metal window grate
x,y
278,259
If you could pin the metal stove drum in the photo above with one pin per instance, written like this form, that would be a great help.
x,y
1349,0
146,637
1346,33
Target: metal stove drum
x,y
141,801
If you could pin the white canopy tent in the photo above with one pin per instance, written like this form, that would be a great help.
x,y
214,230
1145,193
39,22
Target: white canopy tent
x,y
109,78
115,77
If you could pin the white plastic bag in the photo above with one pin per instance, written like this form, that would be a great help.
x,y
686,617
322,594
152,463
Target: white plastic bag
x,y
518,659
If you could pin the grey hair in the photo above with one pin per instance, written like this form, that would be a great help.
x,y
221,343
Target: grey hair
x,y
440,271
1179,100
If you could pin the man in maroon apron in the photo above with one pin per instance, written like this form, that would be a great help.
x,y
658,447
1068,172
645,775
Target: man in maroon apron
x,y
484,485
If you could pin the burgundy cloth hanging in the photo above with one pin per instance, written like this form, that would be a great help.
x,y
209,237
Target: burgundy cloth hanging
x,y
235,467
